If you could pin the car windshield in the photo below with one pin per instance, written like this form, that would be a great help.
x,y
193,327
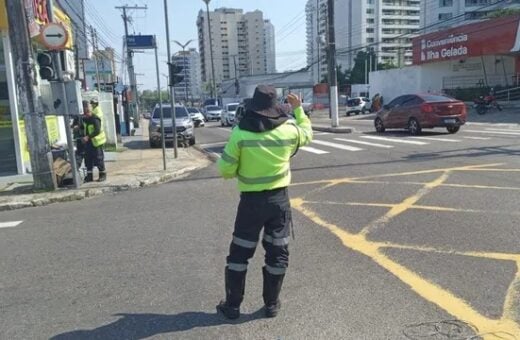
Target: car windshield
x,y
435,98
232,107
213,108
180,112
193,110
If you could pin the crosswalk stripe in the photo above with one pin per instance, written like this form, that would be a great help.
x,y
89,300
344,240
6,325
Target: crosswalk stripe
x,y
336,145
321,133
495,132
477,138
364,143
10,224
313,150
395,140
503,130
438,139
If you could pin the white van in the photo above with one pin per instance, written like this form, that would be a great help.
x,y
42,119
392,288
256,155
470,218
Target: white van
x,y
228,114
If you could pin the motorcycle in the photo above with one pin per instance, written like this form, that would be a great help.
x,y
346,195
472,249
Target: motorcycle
x,y
485,103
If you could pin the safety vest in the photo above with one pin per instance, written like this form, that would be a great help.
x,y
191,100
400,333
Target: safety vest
x,y
97,112
261,160
101,138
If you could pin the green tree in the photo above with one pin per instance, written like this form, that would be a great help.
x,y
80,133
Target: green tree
x,y
149,98
357,75
504,12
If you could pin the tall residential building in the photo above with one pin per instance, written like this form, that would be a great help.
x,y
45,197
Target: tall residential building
x,y
360,24
269,47
238,43
316,12
190,86
440,14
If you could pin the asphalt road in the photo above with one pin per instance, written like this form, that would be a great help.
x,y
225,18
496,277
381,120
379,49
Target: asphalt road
x,y
395,238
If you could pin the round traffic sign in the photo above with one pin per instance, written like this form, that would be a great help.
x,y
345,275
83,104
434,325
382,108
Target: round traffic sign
x,y
54,36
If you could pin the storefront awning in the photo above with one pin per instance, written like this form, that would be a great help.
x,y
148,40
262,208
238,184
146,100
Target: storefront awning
x,y
490,37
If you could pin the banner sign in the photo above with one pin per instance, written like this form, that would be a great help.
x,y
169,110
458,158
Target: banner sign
x,y
494,36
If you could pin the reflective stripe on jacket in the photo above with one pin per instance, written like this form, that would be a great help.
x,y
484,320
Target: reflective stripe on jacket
x,y
260,160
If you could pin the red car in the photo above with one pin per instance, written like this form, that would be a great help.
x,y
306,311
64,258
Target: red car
x,y
415,112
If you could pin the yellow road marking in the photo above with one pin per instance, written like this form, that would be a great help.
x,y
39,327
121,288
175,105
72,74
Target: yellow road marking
x,y
489,328
427,290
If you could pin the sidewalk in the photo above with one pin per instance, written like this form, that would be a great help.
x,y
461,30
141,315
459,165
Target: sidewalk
x,y
135,167
321,122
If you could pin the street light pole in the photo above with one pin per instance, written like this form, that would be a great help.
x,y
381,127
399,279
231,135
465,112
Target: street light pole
x,y
213,86
183,46
172,92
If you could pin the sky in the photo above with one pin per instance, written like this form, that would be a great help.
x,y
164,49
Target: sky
x,y
288,17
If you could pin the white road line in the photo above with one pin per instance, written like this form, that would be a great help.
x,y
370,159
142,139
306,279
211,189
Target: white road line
x,y
11,224
395,140
477,138
217,155
365,143
313,150
321,133
223,128
336,145
495,132
438,139
505,129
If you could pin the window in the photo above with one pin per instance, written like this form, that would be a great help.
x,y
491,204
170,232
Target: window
x,y
370,21
412,101
370,30
445,16
370,11
370,40
445,3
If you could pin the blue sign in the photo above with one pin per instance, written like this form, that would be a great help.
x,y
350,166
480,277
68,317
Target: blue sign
x,y
140,42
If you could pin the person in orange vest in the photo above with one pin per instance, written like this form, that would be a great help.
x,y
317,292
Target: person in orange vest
x,y
94,139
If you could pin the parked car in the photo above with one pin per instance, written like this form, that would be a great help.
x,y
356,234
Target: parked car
x,y
183,122
415,112
358,105
228,114
212,112
196,116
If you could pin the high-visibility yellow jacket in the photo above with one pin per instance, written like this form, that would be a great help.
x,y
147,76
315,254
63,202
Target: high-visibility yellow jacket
x,y
94,130
259,150
97,112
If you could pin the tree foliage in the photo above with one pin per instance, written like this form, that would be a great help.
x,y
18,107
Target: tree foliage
x,y
504,12
149,98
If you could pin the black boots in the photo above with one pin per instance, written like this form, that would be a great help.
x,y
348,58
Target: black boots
x,y
102,176
235,287
89,177
272,288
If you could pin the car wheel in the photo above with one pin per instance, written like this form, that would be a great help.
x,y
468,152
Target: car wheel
x,y
413,127
453,129
378,123
153,145
348,114
222,123
192,141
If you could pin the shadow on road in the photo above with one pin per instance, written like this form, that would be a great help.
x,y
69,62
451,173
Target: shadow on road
x,y
141,326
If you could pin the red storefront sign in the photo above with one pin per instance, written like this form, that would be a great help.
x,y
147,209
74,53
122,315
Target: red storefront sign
x,y
494,36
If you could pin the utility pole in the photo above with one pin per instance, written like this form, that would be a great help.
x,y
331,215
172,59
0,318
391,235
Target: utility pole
x,y
237,89
95,54
130,61
172,90
66,116
318,36
35,125
333,76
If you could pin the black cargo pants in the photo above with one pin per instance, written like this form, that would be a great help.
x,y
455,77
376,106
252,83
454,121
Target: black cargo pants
x,y
94,156
270,210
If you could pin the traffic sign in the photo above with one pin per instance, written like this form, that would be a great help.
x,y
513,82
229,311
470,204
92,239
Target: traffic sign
x,y
54,36
140,42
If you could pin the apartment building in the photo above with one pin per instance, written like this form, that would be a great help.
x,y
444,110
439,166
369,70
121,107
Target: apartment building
x,y
387,26
316,24
269,47
441,14
190,87
239,43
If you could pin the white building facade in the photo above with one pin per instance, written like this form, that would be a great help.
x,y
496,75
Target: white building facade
x,y
441,14
269,47
190,86
238,44
385,26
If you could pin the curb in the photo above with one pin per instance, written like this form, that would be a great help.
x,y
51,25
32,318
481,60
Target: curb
x,y
76,195
332,129
209,155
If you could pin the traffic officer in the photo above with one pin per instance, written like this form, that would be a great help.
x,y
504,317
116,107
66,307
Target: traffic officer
x,y
94,140
258,154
